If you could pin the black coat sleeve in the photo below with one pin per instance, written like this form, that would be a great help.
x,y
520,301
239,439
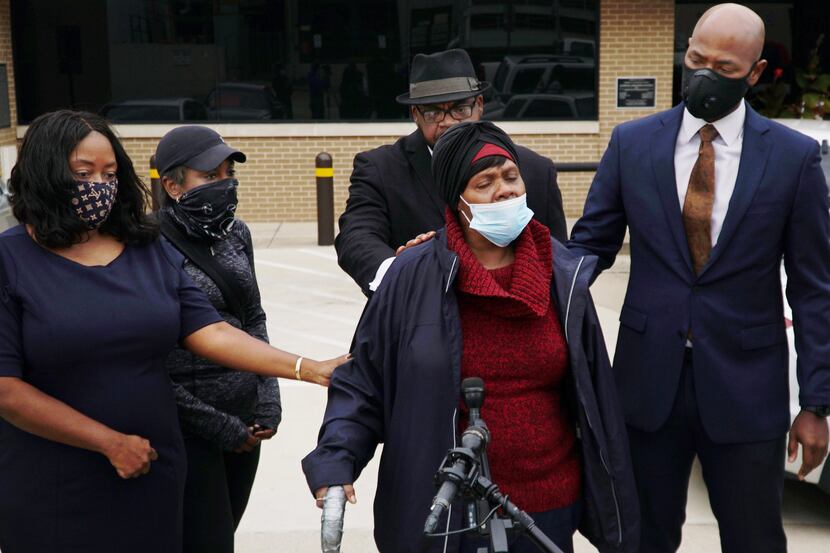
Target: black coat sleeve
x,y
556,212
354,423
543,194
618,456
363,241
601,229
269,404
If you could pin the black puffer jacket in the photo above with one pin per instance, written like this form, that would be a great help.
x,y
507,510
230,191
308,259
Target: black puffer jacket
x,y
214,402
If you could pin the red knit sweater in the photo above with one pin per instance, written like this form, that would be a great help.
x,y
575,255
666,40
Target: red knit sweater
x,y
513,340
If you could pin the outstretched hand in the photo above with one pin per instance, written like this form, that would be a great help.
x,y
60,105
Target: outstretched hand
x,y
420,239
319,372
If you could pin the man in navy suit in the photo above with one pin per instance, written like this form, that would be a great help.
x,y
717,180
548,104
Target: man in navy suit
x,y
714,195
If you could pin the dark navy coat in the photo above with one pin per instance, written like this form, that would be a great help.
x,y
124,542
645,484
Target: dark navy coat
x,y
402,388
734,306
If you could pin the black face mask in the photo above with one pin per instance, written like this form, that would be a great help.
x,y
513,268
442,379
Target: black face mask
x,y
207,211
710,96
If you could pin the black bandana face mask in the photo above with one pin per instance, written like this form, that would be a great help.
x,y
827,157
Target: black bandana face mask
x,y
709,95
92,201
208,210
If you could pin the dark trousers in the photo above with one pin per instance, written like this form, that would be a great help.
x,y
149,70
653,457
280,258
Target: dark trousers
x,y
559,525
745,480
215,495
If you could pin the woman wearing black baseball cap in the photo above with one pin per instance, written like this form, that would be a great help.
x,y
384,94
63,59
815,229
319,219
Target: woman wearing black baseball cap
x,y
224,414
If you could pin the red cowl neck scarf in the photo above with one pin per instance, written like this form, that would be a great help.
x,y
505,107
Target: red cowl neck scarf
x,y
519,290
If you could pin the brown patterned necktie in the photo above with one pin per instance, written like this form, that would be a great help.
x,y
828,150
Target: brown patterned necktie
x,y
700,196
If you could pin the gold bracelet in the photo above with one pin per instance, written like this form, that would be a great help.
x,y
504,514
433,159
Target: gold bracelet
x,y
297,368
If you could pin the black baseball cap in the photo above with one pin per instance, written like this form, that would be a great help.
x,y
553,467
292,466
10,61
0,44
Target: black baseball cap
x,y
194,146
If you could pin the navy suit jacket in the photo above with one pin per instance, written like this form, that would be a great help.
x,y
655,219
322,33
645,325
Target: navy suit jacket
x,y
734,307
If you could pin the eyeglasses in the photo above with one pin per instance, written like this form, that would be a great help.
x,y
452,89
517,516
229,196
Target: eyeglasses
x,y
436,115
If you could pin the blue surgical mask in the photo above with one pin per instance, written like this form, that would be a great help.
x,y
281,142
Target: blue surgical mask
x,y
500,222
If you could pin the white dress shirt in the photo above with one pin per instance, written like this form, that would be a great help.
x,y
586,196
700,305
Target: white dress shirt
x,y
727,146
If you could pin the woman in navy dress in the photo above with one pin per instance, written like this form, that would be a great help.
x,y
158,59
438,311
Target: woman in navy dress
x,y
91,303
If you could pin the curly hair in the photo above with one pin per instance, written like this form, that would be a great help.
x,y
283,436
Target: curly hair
x,y
41,183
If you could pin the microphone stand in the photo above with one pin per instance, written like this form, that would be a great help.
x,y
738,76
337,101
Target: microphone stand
x,y
483,494
517,520
479,505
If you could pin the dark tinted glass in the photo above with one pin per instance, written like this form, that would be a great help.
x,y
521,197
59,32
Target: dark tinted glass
x,y
513,108
796,80
141,113
194,111
550,109
277,60
527,80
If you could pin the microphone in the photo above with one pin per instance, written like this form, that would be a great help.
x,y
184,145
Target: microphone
x,y
473,391
440,503
464,459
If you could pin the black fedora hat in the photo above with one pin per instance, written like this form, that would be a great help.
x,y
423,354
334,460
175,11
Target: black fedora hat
x,y
442,77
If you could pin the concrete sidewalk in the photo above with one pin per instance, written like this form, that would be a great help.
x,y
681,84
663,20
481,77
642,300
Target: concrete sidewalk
x,y
312,309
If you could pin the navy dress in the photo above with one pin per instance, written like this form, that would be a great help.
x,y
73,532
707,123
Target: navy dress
x,y
95,338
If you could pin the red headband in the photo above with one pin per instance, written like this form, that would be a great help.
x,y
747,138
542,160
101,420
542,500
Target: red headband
x,y
492,150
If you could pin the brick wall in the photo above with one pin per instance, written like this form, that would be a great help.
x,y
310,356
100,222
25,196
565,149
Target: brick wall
x,y
7,135
278,179
636,39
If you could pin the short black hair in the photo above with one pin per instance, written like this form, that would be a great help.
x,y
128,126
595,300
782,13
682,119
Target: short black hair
x,y
41,183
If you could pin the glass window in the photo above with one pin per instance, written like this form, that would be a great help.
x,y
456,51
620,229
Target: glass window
x,y
527,80
514,108
136,111
194,111
551,108
795,83
279,60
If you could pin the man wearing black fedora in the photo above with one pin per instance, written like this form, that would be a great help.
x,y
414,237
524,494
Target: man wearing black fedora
x,y
392,198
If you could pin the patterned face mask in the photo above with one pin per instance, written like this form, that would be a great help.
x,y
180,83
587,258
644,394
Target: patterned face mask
x,y
92,201
208,210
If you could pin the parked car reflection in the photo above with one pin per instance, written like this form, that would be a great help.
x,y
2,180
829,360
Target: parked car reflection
x,y
542,86
244,102
544,74
155,110
543,106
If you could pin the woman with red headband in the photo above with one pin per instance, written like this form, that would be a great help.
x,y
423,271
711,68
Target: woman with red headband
x,y
492,296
